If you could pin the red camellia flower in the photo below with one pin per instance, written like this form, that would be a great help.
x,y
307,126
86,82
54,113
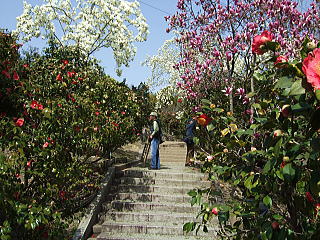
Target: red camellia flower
x,y
71,74
65,62
275,225
204,120
29,163
6,73
34,104
19,122
46,144
283,164
309,197
62,195
279,60
311,68
259,42
59,77
215,211
179,100
97,113
15,76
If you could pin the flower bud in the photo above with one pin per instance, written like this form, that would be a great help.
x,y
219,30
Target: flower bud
x,y
311,46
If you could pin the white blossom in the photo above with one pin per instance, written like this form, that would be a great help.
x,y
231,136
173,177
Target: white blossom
x,y
88,24
162,64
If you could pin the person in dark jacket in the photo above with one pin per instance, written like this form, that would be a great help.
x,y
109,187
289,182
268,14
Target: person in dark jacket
x,y
190,126
154,138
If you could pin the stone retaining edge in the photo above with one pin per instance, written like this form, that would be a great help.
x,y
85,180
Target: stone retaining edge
x,y
85,227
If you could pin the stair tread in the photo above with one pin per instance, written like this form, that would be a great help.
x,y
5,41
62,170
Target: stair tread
x,y
120,236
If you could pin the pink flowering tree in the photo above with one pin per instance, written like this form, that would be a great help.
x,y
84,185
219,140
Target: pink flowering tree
x,y
216,40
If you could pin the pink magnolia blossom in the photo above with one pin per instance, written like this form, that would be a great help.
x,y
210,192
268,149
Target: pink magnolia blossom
x,y
311,68
240,92
227,91
259,41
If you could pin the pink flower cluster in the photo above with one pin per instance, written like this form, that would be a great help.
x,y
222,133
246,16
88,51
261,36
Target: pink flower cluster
x,y
214,34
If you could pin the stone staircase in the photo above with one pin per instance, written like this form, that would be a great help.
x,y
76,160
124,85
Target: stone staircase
x,y
152,204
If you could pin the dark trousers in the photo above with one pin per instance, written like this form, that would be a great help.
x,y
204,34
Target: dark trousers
x,y
190,152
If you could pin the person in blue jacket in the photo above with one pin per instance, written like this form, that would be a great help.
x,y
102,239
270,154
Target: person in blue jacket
x,y
155,138
190,126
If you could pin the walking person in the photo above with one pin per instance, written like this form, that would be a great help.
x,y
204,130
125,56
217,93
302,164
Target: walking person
x,y
155,138
190,126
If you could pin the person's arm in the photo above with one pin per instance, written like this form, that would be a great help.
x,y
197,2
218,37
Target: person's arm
x,y
155,128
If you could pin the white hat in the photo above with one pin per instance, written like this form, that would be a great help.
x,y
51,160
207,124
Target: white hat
x,y
154,114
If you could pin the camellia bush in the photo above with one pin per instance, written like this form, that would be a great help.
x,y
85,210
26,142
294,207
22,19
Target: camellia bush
x,y
57,110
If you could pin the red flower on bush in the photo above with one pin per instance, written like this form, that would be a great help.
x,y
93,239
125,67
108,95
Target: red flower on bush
x,y
115,124
15,76
283,164
179,100
97,113
59,77
280,60
35,105
71,74
204,120
215,211
259,41
62,195
65,62
6,73
19,122
46,144
309,197
311,68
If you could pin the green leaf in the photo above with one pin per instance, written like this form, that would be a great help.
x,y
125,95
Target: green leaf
x,y
210,127
192,193
297,88
258,76
300,107
189,226
205,101
267,167
289,172
284,82
318,94
277,147
277,217
267,201
256,105
248,182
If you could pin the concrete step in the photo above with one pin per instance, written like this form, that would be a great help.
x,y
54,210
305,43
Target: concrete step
x,y
149,228
148,197
143,206
167,182
146,216
163,174
119,236
159,189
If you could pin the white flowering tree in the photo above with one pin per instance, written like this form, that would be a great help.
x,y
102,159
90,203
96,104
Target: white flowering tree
x,y
163,72
87,24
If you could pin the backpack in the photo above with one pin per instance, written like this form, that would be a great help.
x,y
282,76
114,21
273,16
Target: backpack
x,y
159,135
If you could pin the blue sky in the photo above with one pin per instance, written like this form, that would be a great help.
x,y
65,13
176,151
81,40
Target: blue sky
x,y
136,73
